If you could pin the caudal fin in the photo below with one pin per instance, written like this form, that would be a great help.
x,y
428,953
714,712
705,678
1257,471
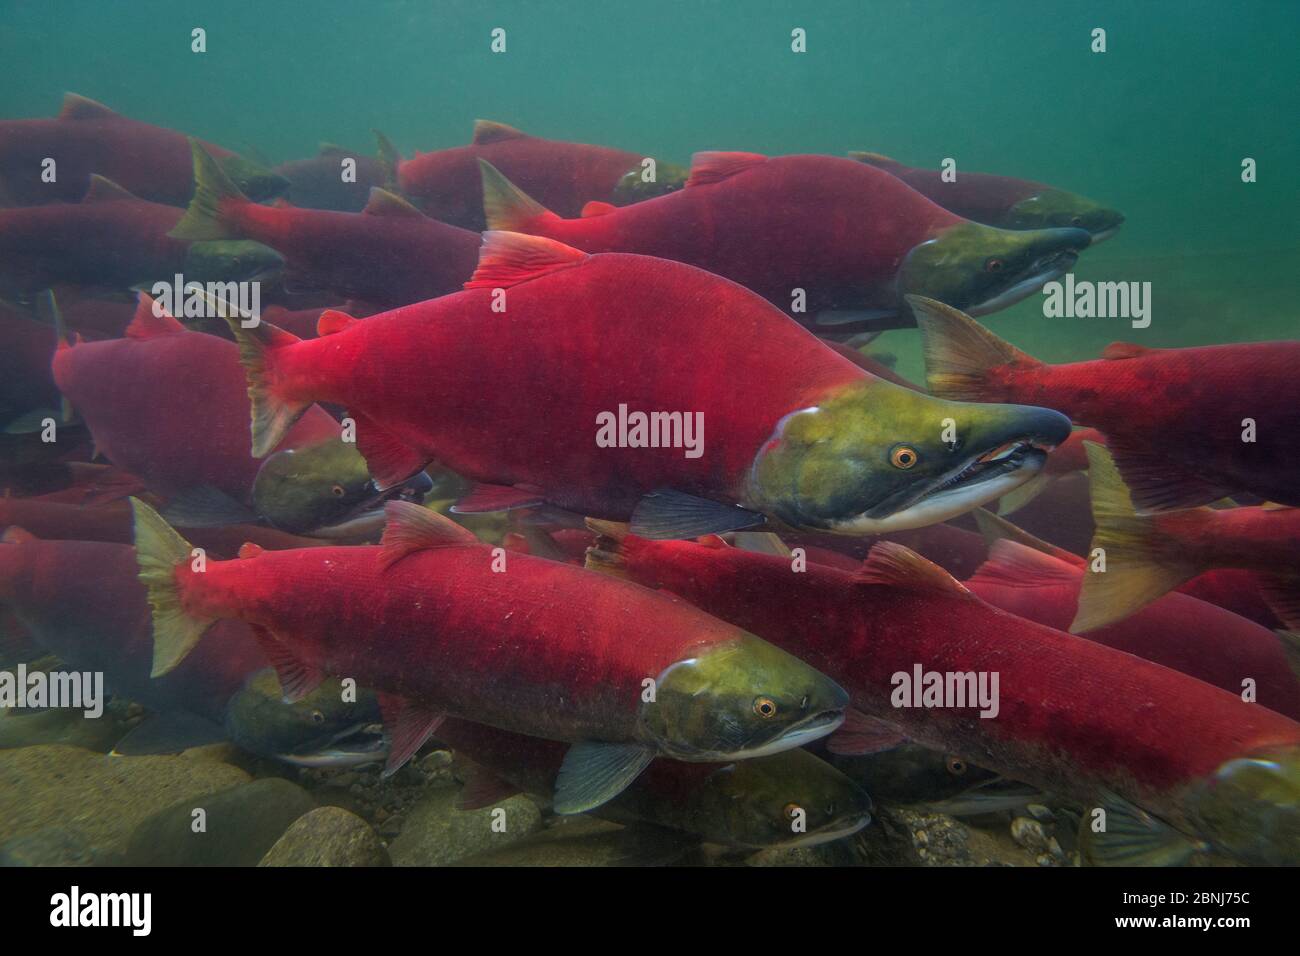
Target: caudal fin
x,y
505,205
272,415
959,352
606,555
159,550
203,219
1140,563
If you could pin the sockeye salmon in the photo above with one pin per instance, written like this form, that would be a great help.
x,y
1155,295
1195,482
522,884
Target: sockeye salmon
x,y
780,426
1185,426
833,242
564,176
426,621
1073,717
1003,201
389,254
88,137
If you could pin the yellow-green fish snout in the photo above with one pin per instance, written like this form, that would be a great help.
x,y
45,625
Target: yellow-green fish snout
x,y
1250,808
878,458
981,269
740,699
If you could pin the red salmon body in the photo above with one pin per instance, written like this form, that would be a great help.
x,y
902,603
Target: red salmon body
x,y
562,176
171,406
414,380
1074,716
1185,426
109,239
82,600
833,227
390,254
1178,631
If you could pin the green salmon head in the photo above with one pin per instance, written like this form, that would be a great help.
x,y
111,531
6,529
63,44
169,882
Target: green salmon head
x,y
876,457
738,699
1055,208
320,730
981,269
326,490
253,179
230,260
1250,808
669,177
785,800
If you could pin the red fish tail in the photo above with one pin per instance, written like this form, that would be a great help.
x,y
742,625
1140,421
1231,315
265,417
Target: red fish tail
x,y
211,212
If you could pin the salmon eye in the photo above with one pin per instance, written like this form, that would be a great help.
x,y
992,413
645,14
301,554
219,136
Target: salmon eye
x,y
791,810
956,766
1076,220
903,456
993,265
765,707
338,491
317,717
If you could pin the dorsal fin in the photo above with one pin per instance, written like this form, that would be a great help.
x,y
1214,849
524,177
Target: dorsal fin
x,y
509,258
713,167
892,564
873,159
384,203
996,528
332,321
76,107
488,131
16,535
250,549
151,320
597,208
412,528
1124,350
1011,564
102,189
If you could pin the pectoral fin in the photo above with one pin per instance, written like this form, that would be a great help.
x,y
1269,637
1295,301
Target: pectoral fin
x,y
595,773
673,514
1131,837
204,506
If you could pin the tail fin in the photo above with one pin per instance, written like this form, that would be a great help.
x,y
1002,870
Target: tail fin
x,y
959,352
1141,563
389,159
606,555
272,416
203,219
159,550
506,206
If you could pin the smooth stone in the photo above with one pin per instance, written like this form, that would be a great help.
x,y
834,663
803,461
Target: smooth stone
x,y
240,825
100,798
328,836
435,833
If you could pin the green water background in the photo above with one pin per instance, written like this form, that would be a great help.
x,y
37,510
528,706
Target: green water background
x,y
1156,126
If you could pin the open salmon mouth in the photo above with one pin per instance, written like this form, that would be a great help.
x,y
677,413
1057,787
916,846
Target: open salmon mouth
x,y
975,481
1041,271
811,728
356,745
